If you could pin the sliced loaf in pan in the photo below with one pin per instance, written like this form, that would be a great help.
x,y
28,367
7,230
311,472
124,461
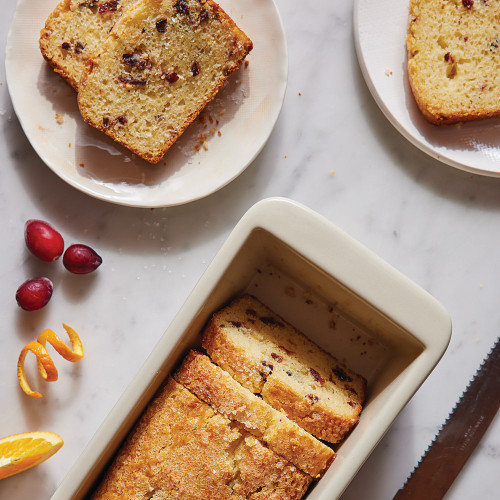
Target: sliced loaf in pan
x,y
271,358
217,388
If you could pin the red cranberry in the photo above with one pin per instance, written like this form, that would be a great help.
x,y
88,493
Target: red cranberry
x,y
161,25
43,240
81,259
34,293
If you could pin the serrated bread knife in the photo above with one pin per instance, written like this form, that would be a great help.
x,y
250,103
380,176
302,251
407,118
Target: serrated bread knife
x,y
459,435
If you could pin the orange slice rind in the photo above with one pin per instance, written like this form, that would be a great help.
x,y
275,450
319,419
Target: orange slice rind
x,y
46,366
20,452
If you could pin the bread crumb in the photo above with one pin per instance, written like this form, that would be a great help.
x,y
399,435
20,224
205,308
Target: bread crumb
x,y
59,118
219,133
205,145
247,62
332,172
388,72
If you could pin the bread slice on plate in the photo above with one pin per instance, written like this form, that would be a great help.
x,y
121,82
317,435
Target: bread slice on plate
x,y
453,55
182,448
270,357
75,30
162,63
217,388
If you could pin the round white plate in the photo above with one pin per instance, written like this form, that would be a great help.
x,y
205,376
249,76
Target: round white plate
x,y
238,121
380,37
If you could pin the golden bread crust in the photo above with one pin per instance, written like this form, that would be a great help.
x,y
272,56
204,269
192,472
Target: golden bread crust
x,y
181,448
217,388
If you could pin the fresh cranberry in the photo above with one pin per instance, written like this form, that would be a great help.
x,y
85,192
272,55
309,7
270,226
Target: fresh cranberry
x,y
34,293
43,240
81,259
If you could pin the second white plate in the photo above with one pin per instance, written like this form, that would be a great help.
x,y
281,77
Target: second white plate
x,y
211,152
380,36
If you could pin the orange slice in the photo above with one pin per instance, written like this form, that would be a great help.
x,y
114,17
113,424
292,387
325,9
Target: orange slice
x,y
46,366
23,451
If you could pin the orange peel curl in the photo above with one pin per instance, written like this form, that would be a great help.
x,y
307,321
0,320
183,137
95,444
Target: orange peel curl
x,y
46,366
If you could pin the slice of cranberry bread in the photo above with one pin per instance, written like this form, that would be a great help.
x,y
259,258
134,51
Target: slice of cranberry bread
x,y
74,31
217,388
162,63
270,357
453,53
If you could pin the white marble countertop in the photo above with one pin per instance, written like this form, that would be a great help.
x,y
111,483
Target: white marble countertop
x,y
332,150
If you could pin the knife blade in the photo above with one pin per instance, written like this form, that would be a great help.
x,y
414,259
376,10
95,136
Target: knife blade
x,y
459,435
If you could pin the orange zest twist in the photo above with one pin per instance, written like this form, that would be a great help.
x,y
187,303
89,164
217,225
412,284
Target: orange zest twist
x,y
46,366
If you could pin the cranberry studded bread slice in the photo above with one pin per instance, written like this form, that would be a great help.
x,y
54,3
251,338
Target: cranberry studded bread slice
x,y
270,357
162,63
453,57
182,448
217,388
74,31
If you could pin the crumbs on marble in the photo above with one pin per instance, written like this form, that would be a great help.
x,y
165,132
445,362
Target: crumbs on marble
x,y
332,172
59,119
82,165
388,72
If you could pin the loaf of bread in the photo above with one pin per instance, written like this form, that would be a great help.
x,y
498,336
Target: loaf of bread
x,y
217,388
182,448
453,56
74,31
163,61
271,358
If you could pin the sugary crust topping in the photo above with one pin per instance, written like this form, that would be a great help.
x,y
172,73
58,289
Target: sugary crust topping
x,y
217,388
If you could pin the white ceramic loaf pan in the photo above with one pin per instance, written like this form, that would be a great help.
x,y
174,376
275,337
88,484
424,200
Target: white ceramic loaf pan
x,y
337,292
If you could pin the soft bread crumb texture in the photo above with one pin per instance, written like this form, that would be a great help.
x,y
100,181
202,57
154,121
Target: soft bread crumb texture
x,y
217,388
162,63
454,58
272,358
182,449
75,30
